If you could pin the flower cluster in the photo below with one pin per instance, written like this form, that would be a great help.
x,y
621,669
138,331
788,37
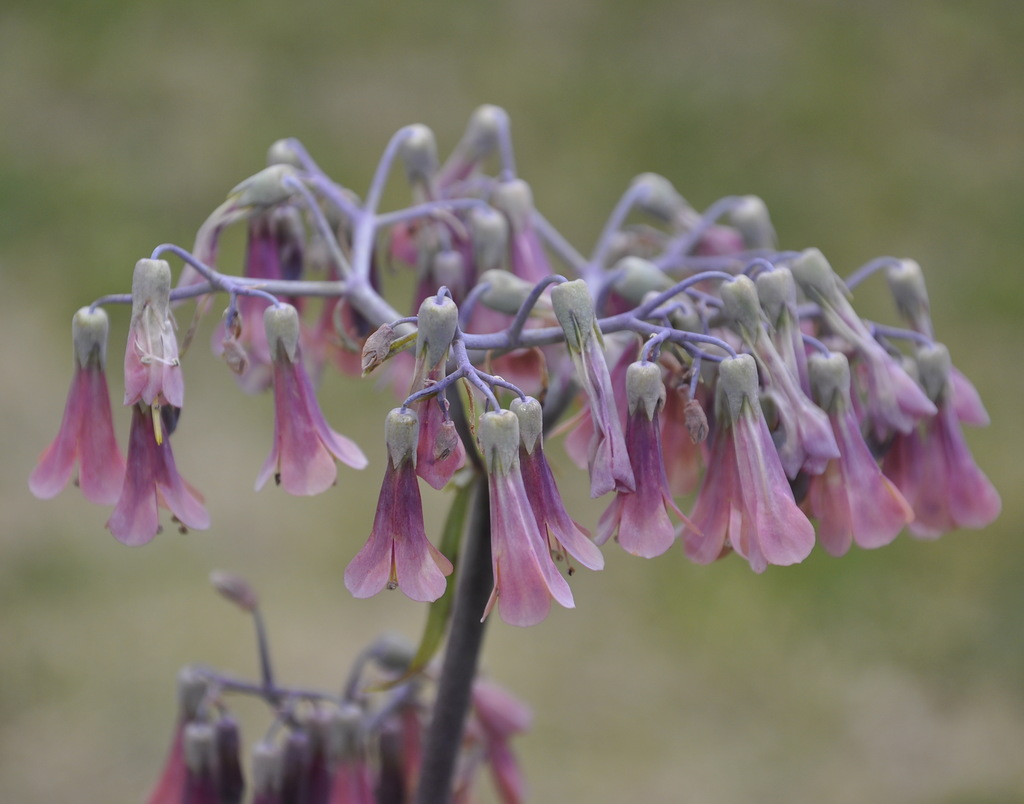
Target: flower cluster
x,y
358,747
755,373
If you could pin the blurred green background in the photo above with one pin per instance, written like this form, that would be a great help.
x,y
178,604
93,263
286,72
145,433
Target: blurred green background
x,y
869,128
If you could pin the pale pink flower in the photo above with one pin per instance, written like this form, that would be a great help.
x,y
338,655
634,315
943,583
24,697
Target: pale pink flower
x,y
525,577
305,447
151,480
852,500
86,432
152,371
398,553
608,459
548,509
640,519
499,717
745,501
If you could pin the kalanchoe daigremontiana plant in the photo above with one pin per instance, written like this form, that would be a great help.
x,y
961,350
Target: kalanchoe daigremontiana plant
x,y
686,353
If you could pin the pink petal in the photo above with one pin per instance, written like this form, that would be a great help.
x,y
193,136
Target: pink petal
x,y
57,461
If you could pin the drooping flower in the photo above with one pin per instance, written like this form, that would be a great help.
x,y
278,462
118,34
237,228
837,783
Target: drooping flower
x,y
497,717
86,432
852,500
933,467
398,553
352,780
525,577
548,509
170,786
305,447
609,462
893,402
151,480
745,501
527,259
803,437
440,452
640,519
152,371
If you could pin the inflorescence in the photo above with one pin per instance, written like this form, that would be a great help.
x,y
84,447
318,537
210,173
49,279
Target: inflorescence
x,y
687,355
698,356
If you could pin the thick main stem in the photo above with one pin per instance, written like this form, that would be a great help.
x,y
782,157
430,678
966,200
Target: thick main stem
x,y
458,670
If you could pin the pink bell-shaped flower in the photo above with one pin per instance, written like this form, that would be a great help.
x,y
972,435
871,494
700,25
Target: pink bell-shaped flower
x,y
398,553
152,371
745,501
305,447
640,518
86,432
933,465
608,461
852,500
548,509
525,577
152,480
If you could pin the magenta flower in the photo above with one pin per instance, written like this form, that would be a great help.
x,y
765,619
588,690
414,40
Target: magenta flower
x,y
640,519
302,457
548,509
86,432
525,577
398,554
151,480
745,501
152,371
852,500
933,465
608,461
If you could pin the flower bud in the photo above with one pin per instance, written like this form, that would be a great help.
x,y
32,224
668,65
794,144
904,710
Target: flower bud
x,y
448,268
830,379
737,382
236,589
200,749
419,154
933,367
638,277
506,293
282,153
777,291
447,440
490,237
377,347
531,422
282,325
750,216
151,286
393,652
644,387
696,421
498,432
574,310
267,768
481,136
660,198
515,199
266,188
906,283
815,276
192,687
401,434
89,330
741,307
344,732
437,323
